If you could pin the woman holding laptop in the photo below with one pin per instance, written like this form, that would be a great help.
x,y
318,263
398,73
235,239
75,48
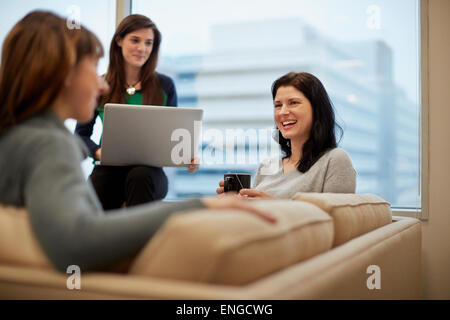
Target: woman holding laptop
x,y
132,79
40,158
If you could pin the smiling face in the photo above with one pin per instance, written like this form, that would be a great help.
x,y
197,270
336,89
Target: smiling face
x,y
293,114
137,47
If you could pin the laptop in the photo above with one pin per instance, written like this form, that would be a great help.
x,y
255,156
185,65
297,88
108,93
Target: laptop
x,y
150,135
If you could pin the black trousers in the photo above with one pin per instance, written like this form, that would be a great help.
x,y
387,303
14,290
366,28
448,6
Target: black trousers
x,y
133,185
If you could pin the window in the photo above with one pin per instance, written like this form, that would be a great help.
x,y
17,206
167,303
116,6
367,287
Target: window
x,y
365,52
224,56
98,16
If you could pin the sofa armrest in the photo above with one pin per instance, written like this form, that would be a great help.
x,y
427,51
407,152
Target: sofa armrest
x,y
342,272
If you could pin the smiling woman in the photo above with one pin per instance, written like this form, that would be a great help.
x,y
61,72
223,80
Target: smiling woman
x,y
136,49
364,52
293,115
306,125
131,74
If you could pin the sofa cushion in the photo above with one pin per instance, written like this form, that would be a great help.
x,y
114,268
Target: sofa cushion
x,y
18,244
231,247
353,214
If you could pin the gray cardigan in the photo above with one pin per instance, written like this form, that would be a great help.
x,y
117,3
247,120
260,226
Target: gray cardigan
x,y
40,170
333,172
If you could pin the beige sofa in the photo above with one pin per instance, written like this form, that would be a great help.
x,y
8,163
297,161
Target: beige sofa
x,y
324,246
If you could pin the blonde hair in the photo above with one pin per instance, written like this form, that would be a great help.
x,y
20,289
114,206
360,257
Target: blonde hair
x,y
37,55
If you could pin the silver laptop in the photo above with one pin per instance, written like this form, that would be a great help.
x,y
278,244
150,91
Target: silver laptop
x,y
150,135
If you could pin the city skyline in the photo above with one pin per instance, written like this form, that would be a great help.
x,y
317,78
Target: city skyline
x,y
233,85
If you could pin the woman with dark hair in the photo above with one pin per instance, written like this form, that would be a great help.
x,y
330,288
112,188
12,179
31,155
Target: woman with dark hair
x,y
133,80
306,126
49,74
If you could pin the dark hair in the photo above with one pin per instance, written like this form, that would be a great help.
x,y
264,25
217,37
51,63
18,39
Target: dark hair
x,y
37,56
322,137
151,89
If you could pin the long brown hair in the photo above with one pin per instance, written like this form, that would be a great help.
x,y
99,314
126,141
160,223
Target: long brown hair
x,y
151,89
37,56
323,132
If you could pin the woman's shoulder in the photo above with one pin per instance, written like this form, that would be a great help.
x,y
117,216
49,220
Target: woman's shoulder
x,y
164,80
39,128
44,132
338,157
337,153
32,143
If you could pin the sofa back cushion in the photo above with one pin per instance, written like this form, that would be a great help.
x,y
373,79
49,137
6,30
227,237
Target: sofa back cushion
x,y
231,247
18,244
353,214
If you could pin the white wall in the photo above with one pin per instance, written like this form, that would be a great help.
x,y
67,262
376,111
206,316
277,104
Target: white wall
x,y
436,231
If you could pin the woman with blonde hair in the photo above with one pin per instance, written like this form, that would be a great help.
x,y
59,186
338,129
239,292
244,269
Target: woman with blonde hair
x,y
132,77
47,75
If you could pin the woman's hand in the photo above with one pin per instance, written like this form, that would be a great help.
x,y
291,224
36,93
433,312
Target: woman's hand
x,y
246,193
254,194
195,163
227,201
221,189
98,154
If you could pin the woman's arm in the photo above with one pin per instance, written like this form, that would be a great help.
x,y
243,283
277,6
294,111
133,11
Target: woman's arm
x,y
172,99
69,222
168,86
84,130
67,218
255,194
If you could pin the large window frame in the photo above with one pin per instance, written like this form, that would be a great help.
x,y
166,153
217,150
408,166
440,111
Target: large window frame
x,y
423,212
124,8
